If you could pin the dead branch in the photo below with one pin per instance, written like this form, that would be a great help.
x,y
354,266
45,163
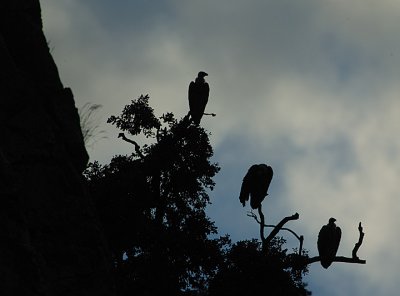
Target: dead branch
x,y
263,225
254,216
278,227
137,147
337,259
359,243
301,244
303,260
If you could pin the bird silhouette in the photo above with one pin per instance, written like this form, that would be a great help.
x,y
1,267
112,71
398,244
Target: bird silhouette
x,y
255,184
328,242
198,97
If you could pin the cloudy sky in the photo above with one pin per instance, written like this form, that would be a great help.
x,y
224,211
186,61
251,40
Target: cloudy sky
x,y
310,87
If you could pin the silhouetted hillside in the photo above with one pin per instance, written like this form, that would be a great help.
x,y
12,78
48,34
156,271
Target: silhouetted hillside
x,y
51,240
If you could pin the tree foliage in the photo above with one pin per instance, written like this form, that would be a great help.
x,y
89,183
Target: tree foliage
x,y
249,270
152,205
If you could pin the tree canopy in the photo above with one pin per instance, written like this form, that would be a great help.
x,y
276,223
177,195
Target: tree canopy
x,y
152,206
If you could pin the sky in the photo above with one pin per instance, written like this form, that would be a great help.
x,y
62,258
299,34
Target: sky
x,y
309,87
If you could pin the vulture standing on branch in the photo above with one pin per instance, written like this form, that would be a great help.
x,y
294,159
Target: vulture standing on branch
x,y
256,184
328,242
198,97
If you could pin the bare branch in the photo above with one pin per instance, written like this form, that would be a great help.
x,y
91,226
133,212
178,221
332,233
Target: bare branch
x,y
287,229
303,260
254,216
278,227
337,259
301,239
262,224
137,147
359,243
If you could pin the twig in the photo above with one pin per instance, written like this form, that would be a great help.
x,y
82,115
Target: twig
x,y
252,215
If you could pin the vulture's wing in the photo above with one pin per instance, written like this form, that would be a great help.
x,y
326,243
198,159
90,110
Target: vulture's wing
x,y
262,177
336,240
192,96
245,190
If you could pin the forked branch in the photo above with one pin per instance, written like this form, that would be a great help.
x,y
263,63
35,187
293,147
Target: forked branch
x,y
276,228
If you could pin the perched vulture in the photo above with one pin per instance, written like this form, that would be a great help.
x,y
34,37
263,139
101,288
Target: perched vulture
x,y
198,97
328,242
255,184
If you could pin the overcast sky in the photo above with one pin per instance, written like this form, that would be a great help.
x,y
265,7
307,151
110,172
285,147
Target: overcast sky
x,y
310,87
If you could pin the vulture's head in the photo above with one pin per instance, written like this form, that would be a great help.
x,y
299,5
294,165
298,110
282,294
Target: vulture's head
x,y
202,74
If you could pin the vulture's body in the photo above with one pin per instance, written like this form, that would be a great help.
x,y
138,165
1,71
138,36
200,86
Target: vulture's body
x,y
328,242
255,185
198,97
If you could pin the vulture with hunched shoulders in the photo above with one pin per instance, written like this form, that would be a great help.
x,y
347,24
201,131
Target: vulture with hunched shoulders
x,y
328,242
255,185
198,97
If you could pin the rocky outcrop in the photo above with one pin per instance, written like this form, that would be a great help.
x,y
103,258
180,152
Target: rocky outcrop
x,y
51,242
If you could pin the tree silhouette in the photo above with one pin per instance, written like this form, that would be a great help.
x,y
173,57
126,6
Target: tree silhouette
x,y
249,270
152,204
